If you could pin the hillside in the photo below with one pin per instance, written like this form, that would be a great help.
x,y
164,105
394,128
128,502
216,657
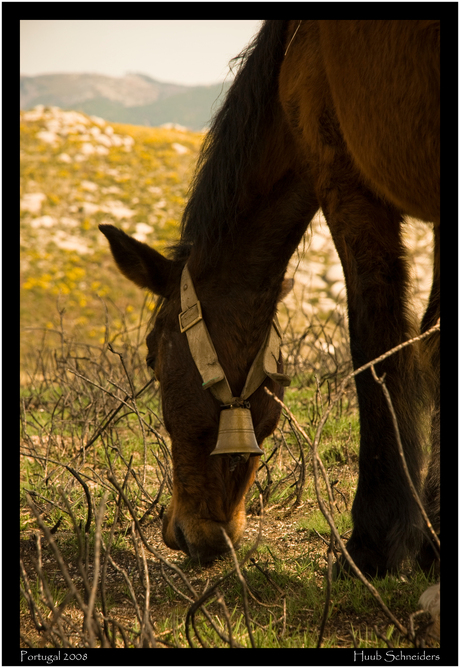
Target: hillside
x,y
135,98
79,171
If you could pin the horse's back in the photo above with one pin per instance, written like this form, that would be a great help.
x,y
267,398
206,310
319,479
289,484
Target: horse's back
x,y
381,80
384,80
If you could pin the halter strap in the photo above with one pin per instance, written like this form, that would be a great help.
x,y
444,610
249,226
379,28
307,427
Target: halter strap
x,y
205,356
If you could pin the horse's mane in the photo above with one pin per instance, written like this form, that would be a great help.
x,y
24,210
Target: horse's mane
x,y
232,142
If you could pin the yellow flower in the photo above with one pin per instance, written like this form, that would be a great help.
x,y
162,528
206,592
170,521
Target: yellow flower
x,y
75,273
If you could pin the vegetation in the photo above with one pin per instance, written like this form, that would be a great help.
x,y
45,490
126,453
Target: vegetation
x,y
140,185
96,469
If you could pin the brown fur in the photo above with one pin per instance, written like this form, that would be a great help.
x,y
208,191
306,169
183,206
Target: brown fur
x,y
348,121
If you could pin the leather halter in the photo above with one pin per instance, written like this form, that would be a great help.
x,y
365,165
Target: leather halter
x,y
205,356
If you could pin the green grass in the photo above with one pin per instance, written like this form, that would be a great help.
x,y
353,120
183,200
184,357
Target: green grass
x,y
285,576
72,305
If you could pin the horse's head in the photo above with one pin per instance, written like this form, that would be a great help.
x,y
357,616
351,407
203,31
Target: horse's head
x,y
208,491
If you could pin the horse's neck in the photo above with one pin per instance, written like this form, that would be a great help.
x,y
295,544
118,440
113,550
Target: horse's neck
x,y
265,236
264,223
248,272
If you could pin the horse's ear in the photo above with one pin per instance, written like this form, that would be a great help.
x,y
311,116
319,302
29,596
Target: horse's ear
x,y
141,264
286,287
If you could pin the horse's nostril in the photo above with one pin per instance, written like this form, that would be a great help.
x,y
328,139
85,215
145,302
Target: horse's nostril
x,y
206,549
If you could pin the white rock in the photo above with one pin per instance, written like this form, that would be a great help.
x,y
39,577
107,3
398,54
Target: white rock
x,y
118,210
98,121
334,273
431,600
327,347
32,202
35,114
174,126
89,208
327,304
43,221
112,190
318,242
338,290
53,125
80,128
62,240
142,228
87,149
68,222
74,117
48,137
142,231
181,150
103,139
89,185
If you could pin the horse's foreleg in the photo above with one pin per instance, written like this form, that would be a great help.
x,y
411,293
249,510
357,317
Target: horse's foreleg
x,y
366,232
431,491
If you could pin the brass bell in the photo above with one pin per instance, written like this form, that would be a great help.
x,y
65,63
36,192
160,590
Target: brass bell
x,y
236,433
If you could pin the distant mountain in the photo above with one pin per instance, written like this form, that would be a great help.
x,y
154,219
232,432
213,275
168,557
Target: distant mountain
x,y
134,98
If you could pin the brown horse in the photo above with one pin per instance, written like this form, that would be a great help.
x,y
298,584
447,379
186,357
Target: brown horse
x,y
342,115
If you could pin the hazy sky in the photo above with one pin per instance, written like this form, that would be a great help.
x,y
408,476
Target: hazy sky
x,y
184,51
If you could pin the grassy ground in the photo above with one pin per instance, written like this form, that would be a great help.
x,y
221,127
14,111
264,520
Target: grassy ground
x,y
96,469
84,438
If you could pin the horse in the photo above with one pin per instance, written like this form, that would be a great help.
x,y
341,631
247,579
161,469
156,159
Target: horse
x,y
342,116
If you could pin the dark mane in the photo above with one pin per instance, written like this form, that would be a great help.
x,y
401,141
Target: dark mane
x,y
231,143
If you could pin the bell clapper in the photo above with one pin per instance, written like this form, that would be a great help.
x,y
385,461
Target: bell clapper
x,y
237,459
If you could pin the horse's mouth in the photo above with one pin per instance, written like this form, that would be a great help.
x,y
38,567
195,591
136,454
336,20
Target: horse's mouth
x,y
202,540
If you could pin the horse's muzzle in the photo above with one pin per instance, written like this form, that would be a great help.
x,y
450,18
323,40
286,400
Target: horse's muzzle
x,y
202,540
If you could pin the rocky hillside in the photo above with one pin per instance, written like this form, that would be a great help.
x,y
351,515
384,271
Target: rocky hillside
x,y
135,98
78,171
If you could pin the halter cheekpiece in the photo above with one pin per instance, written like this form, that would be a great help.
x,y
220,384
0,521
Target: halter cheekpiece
x,y
236,437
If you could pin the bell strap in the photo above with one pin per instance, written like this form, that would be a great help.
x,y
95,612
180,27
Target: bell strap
x,y
266,363
199,341
272,354
205,356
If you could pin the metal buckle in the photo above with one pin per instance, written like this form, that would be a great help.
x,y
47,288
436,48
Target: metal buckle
x,y
190,317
